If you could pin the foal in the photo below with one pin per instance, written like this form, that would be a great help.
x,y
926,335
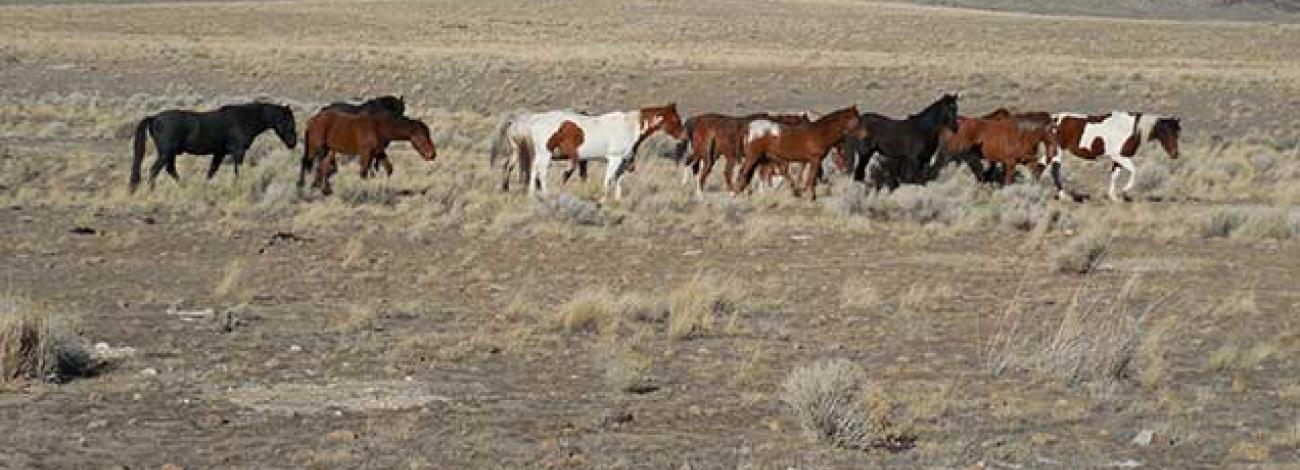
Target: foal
x,y
711,135
331,132
806,143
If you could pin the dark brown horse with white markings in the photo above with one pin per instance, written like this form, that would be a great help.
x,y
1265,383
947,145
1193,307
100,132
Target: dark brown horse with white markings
x,y
1118,136
332,132
802,143
709,136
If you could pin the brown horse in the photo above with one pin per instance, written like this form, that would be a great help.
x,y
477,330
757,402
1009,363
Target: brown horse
x,y
711,135
331,132
806,143
1007,139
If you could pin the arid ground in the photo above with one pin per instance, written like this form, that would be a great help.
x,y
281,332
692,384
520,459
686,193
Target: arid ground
x,y
432,321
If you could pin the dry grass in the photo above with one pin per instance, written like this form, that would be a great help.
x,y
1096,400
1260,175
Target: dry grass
x,y
860,294
1092,342
624,368
1083,253
36,345
696,308
823,398
354,319
229,284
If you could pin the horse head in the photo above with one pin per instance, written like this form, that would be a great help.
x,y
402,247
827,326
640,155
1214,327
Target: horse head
x,y
281,119
664,118
422,142
1166,131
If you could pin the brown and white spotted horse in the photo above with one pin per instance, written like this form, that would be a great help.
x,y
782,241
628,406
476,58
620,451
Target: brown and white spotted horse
x,y
1118,136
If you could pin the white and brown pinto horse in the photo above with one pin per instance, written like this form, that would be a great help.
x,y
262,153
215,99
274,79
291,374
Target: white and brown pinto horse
x,y
538,138
1118,136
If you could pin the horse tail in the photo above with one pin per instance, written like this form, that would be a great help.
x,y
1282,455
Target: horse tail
x,y
137,158
680,151
501,139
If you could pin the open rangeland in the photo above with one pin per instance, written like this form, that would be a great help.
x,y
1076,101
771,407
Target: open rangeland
x,y
432,321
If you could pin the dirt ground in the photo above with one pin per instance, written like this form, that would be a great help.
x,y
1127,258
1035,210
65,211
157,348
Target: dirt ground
x,y
432,321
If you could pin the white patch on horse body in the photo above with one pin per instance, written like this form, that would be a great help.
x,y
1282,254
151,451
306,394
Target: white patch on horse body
x,y
607,137
762,127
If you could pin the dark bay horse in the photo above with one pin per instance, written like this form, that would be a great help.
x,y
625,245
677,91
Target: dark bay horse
x,y
709,136
905,146
387,105
331,132
229,130
804,143
1004,139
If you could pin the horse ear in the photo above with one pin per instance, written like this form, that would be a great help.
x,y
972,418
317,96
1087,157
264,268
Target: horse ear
x,y
401,97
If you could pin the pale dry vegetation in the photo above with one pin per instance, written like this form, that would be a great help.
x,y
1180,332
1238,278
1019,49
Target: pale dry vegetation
x,y
1097,342
36,344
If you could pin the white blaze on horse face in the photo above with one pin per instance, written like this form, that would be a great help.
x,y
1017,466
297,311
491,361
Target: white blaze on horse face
x,y
762,127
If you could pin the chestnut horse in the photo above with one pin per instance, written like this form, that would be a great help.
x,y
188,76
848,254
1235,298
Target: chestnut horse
x,y
905,146
331,132
614,137
1007,139
387,105
1118,136
806,143
709,136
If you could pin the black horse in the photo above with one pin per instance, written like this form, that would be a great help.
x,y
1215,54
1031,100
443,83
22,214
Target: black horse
x,y
905,146
229,130
385,106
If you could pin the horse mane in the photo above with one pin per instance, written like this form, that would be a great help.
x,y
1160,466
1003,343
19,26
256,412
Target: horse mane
x,y
927,118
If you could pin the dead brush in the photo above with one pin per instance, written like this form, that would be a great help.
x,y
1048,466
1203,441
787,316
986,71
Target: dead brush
x,y
823,398
36,345
1090,343
1083,253
695,308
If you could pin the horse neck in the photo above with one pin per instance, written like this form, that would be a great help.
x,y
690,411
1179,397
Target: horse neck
x,y
397,129
264,118
830,126
927,119
1144,125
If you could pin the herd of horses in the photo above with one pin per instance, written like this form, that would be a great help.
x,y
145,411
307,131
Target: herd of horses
x,y
878,150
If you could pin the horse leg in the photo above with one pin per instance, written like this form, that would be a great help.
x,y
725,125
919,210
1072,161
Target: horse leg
x,y
170,167
386,162
1008,172
238,159
158,165
215,164
810,179
612,172
541,163
1127,164
746,172
366,159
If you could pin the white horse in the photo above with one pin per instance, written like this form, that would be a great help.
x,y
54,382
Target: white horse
x,y
538,138
1117,136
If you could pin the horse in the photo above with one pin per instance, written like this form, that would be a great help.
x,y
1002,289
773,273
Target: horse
x,y
905,146
1118,136
228,130
330,132
387,105
711,135
1007,139
807,143
538,138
